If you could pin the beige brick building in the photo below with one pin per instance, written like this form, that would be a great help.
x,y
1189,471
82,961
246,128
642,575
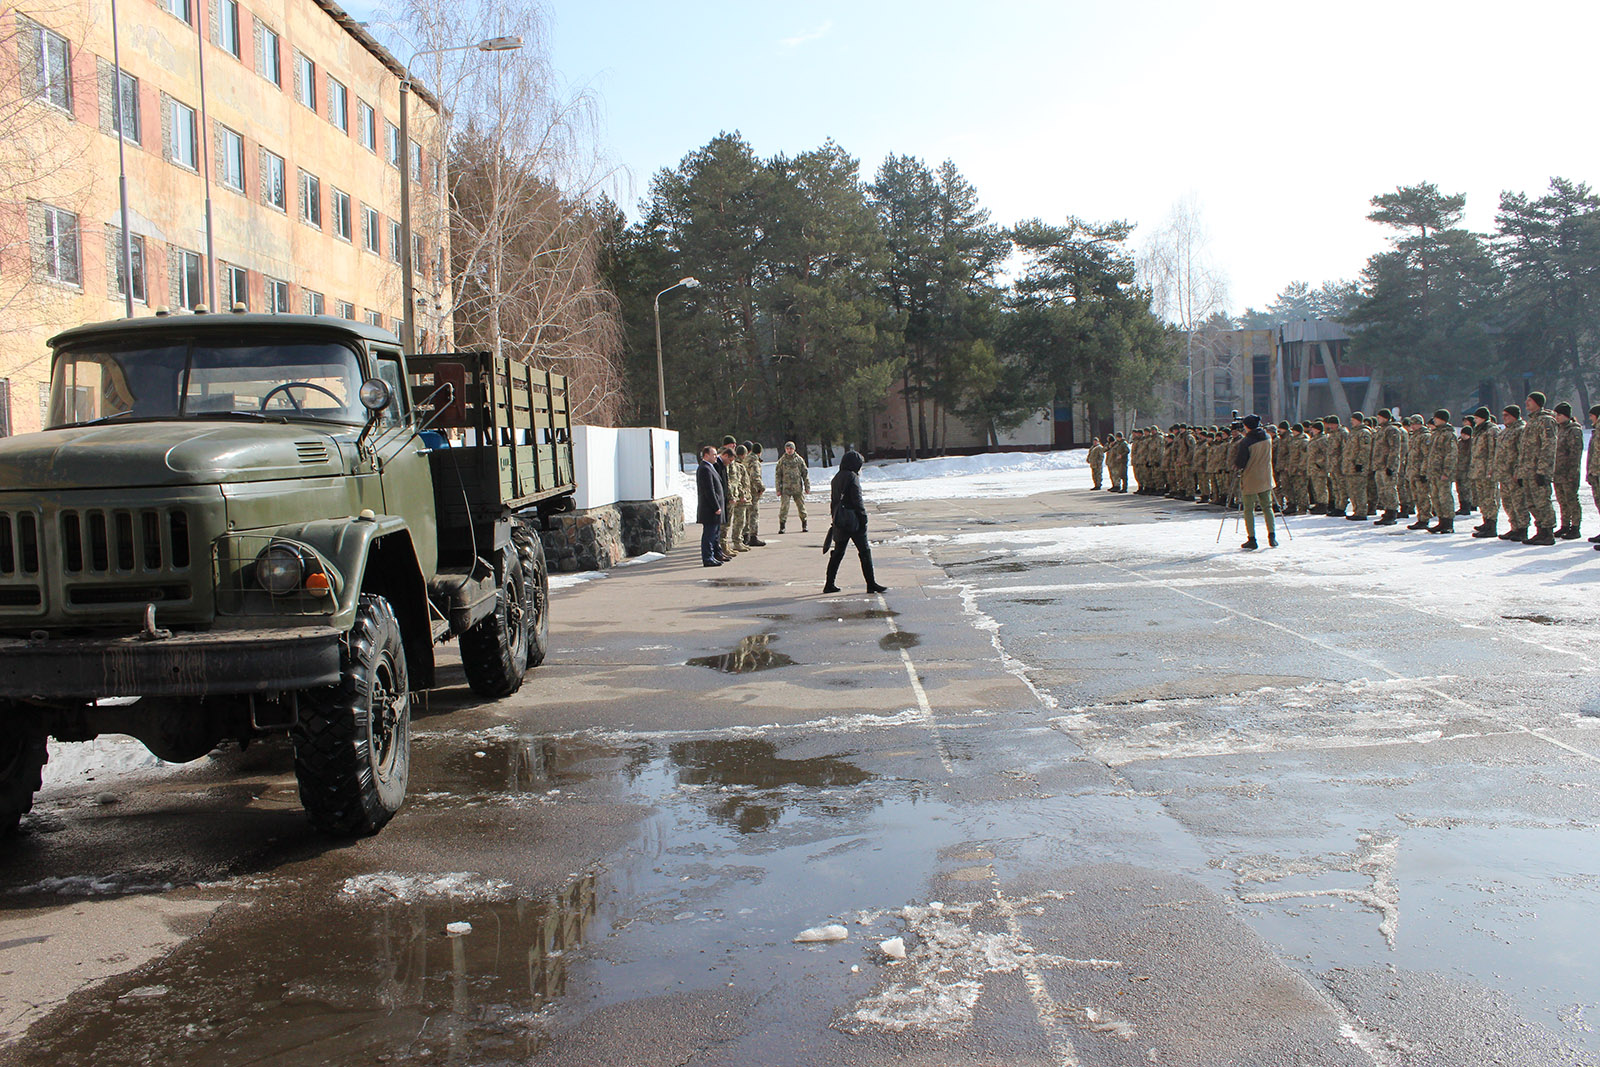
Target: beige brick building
x,y
298,131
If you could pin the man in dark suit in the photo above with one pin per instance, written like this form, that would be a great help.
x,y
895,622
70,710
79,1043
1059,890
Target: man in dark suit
x,y
711,506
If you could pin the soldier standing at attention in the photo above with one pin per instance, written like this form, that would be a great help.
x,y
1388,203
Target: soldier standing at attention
x,y
1569,463
1442,472
1536,464
794,482
1386,446
1592,468
1317,467
1464,467
1417,438
752,466
1505,471
1097,456
1485,489
1357,461
1118,453
1299,484
738,495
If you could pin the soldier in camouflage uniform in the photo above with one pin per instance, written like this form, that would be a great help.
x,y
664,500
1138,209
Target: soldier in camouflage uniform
x,y
1357,462
1097,461
1485,489
757,486
1591,468
1317,467
1299,480
1536,463
738,496
1117,467
1568,469
1442,472
1464,468
794,482
1506,460
1417,437
1387,443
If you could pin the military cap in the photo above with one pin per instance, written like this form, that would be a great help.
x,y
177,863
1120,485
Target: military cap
x,y
755,447
741,451
1416,417
1442,415
788,444
1595,410
1357,416
1514,410
1564,408
1537,397
1482,413
1283,425
729,439
1334,419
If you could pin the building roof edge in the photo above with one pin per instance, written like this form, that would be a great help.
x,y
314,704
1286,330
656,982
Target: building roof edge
x,y
370,43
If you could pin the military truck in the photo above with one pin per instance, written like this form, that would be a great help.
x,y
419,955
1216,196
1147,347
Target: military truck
x,y
238,525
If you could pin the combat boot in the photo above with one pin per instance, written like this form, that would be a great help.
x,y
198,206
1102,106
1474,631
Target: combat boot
x,y
1357,516
780,529
1420,524
756,542
1250,545
1488,529
803,526
1444,525
1571,534
1519,535
1389,519
1543,536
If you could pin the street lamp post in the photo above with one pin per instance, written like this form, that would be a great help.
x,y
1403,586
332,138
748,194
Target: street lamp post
x,y
661,377
407,311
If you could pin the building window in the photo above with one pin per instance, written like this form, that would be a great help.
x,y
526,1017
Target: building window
x,y
277,296
189,281
305,81
438,176
338,105
273,180
394,241
419,261
416,162
370,234
59,249
367,126
125,119
339,205
231,163
180,117
269,55
347,310
310,200
179,8
228,26
135,253
375,318
392,141
313,303
53,79
236,286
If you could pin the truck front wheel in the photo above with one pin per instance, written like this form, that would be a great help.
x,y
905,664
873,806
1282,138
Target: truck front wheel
x,y
22,757
495,652
352,744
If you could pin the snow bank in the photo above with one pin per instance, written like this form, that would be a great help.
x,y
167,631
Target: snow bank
x,y
994,474
78,763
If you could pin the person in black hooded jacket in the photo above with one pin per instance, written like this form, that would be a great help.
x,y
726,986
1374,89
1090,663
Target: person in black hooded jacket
x,y
849,513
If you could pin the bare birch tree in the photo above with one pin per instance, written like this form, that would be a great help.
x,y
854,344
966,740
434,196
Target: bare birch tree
x,y
1188,289
525,173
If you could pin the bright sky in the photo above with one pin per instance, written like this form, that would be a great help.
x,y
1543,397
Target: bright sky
x,y
1280,118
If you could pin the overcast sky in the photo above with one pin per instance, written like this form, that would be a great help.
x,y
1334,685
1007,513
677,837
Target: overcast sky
x,y
1281,119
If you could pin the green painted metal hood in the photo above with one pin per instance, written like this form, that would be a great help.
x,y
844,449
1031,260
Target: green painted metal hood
x,y
191,452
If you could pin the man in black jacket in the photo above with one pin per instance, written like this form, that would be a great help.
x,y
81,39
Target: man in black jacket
x,y
849,513
711,505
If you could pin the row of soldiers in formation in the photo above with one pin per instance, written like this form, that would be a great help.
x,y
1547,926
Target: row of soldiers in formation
x,y
739,466
1403,467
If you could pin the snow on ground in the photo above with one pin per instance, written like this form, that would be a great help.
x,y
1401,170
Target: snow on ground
x,y
75,764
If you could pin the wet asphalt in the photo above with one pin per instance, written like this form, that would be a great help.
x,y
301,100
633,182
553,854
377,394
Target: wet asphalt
x,y
1119,808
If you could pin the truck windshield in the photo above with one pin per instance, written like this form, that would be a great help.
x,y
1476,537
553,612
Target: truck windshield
x,y
317,380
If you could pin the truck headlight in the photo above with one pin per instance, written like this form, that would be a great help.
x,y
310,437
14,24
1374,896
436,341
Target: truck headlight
x,y
280,569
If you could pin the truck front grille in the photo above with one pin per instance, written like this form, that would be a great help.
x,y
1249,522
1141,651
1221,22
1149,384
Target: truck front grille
x,y
19,543
124,541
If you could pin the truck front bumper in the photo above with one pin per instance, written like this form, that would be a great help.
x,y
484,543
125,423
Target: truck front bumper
x,y
184,664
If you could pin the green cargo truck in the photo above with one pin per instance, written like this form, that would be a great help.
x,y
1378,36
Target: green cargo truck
x,y
237,525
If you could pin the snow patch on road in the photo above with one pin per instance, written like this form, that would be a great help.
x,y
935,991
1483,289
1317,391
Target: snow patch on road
x,y
456,885
110,756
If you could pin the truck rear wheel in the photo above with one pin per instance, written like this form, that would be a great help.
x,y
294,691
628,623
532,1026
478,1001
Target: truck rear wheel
x,y
352,744
497,651
22,756
533,564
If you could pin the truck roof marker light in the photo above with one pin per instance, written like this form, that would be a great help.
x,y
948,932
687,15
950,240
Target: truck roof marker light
x,y
200,309
239,307
163,311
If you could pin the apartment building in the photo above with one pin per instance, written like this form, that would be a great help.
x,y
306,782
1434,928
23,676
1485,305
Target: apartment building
x,y
296,128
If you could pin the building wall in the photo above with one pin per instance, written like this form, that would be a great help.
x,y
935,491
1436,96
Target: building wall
x,y
890,433
77,167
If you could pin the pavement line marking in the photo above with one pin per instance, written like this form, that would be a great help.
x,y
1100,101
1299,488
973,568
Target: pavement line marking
x,y
1067,587
1044,1005
1364,661
922,696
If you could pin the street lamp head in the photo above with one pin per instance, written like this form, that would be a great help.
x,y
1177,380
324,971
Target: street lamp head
x,y
689,283
500,44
